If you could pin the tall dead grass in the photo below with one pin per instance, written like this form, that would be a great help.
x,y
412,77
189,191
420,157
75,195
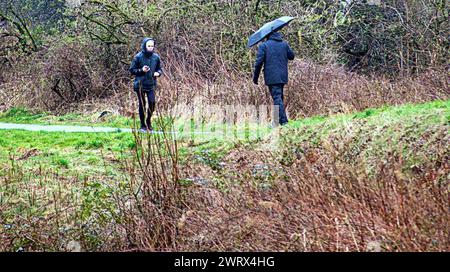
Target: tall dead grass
x,y
326,89
83,83
154,199
323,201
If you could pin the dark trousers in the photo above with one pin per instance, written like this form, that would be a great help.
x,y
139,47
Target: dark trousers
x,y
276,91
143,97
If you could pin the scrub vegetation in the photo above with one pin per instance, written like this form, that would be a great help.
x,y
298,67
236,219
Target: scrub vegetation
x,y
363,164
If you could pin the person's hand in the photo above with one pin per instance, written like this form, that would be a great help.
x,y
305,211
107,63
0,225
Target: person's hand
x,y
156,74
145,68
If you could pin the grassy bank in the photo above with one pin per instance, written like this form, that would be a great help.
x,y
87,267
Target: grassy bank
x,y
372,180
24,116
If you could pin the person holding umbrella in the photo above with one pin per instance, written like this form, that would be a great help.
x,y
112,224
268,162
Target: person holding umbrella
x,y
273,54
146,67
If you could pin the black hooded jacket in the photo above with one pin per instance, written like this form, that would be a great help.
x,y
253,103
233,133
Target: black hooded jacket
x,y
145,81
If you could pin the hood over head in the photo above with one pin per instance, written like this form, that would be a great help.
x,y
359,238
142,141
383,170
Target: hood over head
x,y
143,49
275,36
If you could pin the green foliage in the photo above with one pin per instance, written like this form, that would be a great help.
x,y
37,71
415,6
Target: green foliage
x,y
54,190
31,20
372,134
62,162
393,38
21,115
94,195
390,37
360,35
24,116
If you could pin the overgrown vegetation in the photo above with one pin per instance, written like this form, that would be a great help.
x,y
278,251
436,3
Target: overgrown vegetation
x,y
363,165
402,42
344,182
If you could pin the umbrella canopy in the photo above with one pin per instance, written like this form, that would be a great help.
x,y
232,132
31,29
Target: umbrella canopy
x,y
268,28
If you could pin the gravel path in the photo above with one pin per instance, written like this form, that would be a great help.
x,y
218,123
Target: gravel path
x,y
60,128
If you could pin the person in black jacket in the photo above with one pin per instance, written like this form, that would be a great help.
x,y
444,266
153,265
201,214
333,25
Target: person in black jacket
x,y
146,67
274,54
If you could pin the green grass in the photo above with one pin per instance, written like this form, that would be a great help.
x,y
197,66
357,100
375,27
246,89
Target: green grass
x,y
38,169
11,139
73,155
439,108
187,130
317,128
210,148
25,116
42,171
373,135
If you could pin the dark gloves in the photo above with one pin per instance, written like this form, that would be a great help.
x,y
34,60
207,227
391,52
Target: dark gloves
x,y
255,80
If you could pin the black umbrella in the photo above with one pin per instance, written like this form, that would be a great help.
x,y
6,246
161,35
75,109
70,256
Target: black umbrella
x,y
268,28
